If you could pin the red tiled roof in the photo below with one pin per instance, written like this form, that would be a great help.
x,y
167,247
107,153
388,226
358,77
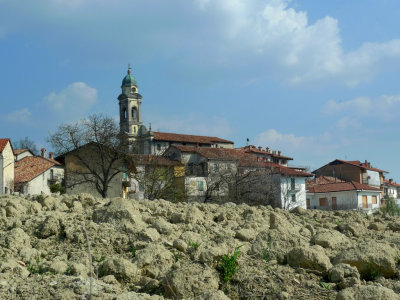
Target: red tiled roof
x,y
19,151
187,138
338,187
361,165
30,167
253,149
142,159
244,159
388,183
3,143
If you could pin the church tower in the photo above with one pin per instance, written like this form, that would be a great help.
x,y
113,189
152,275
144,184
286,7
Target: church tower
x,y
130,112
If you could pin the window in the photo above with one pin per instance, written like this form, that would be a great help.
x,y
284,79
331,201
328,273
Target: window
x,y
323,202
6,190
374,200
51,174
124,114
293,197
292,184
134,113
200,186
158,147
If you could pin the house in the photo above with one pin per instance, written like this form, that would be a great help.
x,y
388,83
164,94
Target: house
x,y
35,174
391,190
330,193
6,166
22,153
355,171
146,141
221,174
154,177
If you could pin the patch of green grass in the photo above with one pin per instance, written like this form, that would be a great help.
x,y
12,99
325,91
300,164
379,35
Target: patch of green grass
x,y
4,256
133,251
194,245
177,256
228,265
324,285
372,272
36,266
69,270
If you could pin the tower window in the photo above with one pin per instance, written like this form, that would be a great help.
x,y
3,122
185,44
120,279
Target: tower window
x,y
124,114
134,113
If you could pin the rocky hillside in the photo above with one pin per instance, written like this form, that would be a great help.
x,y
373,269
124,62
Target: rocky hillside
x,y
157,249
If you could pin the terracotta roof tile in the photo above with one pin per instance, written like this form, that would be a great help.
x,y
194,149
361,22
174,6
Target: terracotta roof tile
x,y
19,151
187,138
338,187
30,167
253,149
361,165
3,143
391,183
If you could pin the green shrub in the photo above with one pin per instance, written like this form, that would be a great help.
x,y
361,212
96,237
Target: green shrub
x,y
228,265
391,207
56,187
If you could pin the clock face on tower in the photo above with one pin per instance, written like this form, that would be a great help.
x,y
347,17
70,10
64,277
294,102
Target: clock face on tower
x,y
133,90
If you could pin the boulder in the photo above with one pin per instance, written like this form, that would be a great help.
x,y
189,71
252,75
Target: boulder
x,y
369,292
330,239
154,260
344,275
371,258
190,280
312,258
122,269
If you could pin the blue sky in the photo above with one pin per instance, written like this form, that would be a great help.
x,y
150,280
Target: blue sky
x,y
315,79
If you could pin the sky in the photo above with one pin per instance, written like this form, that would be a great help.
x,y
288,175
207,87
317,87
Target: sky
x,y
317,80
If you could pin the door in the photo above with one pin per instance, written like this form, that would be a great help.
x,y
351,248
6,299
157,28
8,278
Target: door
x,y
334,203
323,203
364,201
308,204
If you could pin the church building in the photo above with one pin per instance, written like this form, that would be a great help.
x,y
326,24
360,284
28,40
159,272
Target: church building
x,y
146,141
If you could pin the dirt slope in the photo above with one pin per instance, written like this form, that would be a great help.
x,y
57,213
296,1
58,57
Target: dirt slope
x,y
157,249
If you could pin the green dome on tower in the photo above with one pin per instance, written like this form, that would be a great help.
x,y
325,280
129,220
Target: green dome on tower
x,y
129,80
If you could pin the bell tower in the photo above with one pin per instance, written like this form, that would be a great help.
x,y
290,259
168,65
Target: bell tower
x,y
130,112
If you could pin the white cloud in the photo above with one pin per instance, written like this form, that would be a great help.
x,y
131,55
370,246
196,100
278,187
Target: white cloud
x,y
22,116
348,122
273,138
384,107
76,96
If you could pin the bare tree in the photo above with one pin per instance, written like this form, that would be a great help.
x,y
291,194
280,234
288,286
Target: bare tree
x,y
159,178
94,152
26,143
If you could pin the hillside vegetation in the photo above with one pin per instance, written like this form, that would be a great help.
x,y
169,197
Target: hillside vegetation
x,y
158,249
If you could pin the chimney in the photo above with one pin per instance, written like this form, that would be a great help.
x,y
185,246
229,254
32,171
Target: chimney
x,y
259,148
51,155
391,180
267,149
43,152
279,152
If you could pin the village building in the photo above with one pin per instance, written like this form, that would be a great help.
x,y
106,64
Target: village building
x,y
330,193
35,174
6,166
215,174
266,154
391,190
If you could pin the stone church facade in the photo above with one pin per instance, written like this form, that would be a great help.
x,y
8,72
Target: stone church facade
x,y
146,141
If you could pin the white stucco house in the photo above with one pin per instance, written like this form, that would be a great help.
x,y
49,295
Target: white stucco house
x,y
334,194
6,166
22,153
35,174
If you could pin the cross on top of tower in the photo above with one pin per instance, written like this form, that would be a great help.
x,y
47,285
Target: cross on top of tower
x,y
129,69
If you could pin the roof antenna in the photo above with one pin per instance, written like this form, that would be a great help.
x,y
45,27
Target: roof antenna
x,y
150,126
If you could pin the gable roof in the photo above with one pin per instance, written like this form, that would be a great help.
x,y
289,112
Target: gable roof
x,y
19,151
339,187
187,138
355,163
390,183
3,144
30,167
